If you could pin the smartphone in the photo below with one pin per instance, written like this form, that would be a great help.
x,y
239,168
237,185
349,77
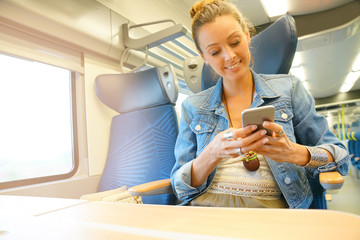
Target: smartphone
x,y
256,116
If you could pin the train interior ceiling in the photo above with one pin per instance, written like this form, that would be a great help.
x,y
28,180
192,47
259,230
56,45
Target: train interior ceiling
x,y
87,37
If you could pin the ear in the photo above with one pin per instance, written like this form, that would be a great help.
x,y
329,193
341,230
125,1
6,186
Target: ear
x,y
203,58
248,38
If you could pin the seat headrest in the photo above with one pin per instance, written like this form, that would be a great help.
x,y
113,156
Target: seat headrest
x,y
274,48
127,92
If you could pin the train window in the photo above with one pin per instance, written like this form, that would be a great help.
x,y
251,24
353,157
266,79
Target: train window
x,y
36,129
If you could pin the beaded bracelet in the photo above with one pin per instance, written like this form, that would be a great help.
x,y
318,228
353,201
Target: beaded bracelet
x,y
318,157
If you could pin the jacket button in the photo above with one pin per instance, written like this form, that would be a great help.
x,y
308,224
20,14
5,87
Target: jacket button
x,y
287,180
198,127
284,116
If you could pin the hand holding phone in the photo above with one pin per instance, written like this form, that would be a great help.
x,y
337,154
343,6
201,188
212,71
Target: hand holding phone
x,y
256,116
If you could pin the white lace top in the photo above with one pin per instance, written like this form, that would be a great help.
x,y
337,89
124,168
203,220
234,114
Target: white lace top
x,y
235,186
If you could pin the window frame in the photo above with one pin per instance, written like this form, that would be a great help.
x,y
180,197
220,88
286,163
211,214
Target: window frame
x,y
74,77
25,42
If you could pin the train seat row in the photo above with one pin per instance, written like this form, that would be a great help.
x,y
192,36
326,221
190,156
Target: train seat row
x,y
354,150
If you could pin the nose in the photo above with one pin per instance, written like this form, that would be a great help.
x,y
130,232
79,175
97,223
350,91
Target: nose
x,y
229,54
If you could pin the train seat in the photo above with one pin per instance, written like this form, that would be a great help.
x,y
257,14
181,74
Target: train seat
x,y
142,136
272,50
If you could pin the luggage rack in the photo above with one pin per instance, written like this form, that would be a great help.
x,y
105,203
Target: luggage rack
x,y
165,46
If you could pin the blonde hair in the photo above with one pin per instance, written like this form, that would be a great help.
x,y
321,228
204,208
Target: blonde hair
x,y
206,11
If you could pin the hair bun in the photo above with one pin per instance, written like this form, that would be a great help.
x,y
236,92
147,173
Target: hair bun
x,y
193,12
199,6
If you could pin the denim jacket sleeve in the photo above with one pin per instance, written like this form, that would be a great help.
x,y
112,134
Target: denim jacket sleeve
x,y
185,152
311,129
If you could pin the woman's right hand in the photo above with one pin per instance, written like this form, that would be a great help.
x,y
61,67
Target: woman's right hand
x,y
226,144
230,142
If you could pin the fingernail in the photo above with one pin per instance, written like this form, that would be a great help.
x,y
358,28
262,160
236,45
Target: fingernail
x,y
263,132
265,124
253,127
265,140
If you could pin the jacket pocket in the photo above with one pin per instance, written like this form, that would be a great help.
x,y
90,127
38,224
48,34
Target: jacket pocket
x,y
283,111
283,116
203,128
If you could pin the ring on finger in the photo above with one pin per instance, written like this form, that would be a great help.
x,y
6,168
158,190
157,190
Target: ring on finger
x,y
238,150
280,133
229,136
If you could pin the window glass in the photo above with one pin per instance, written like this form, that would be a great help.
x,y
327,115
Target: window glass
x,y
36,120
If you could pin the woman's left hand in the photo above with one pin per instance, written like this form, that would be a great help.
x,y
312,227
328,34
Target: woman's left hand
x,y
279,148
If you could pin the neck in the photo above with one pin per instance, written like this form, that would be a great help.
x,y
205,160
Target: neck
x,y
238,87
236,100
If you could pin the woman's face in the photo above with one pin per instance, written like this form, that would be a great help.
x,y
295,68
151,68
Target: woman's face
x,y
225,46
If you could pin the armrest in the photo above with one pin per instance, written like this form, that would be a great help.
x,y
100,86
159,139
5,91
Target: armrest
x,y
331,180
152,188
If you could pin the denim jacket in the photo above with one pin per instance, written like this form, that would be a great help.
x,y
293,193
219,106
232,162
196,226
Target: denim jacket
x,y
203,116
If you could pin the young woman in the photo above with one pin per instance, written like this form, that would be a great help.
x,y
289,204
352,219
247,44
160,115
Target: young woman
x,y
212,144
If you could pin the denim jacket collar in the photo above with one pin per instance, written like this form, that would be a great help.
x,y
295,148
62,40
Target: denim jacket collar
x,y
262,90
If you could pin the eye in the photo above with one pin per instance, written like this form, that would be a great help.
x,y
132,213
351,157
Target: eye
x,y
234,44
214,53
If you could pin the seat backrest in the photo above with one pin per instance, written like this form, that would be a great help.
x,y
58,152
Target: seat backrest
x,y
272,51
142,136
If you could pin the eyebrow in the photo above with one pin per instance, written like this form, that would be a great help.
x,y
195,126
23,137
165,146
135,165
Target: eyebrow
x,y
212,44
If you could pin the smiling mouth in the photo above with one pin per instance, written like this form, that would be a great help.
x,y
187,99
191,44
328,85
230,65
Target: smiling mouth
x,y
234,66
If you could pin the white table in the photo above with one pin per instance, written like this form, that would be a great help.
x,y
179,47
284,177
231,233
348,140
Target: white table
x,y
101,220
